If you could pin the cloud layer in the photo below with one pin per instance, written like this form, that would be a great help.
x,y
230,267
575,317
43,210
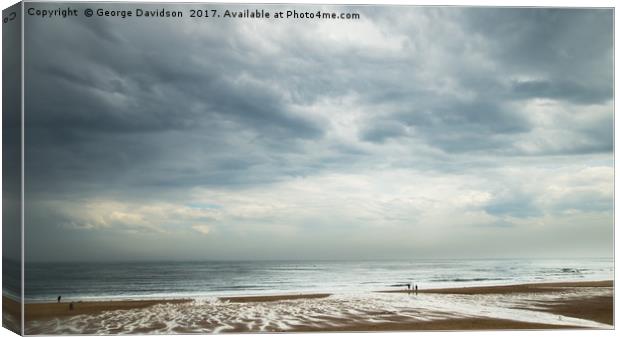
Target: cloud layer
x,y
433,132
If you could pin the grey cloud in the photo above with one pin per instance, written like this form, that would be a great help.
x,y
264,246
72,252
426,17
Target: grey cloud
x,y
559,54
570,91
453,126
381,131
568,49
132,111
514,206
477,116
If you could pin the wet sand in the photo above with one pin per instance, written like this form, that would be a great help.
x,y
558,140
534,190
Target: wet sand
x,y
440,325
512,289
598,308
11,314
38,311
591,308
271,298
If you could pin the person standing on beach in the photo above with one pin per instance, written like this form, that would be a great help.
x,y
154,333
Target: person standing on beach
x,y
409,286
416,289
59,297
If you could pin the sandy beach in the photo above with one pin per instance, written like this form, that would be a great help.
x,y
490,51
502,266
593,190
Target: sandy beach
x,y
11,314
597,308
525,306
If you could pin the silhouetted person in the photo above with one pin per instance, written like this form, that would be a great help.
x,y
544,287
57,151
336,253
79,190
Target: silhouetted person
x,y
416,289
408,286
59,297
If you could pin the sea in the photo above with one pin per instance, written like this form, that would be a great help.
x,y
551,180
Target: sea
x,y
44,282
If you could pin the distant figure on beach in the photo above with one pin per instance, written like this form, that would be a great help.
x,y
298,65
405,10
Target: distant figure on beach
x,y
59,297
71,306
408,286
416,289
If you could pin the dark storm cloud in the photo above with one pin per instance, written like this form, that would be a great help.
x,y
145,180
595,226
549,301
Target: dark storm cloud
x,y
123,107
568,52
11,140
381,131
563,55
548,40
139,89
452,125
129,82
125,91
569,91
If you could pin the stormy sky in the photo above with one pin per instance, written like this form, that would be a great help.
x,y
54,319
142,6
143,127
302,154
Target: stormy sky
x,y
413,132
